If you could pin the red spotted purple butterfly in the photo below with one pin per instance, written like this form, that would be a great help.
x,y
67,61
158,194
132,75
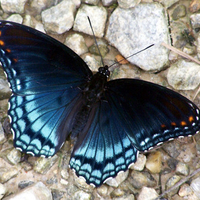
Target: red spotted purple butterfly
x,y
55,94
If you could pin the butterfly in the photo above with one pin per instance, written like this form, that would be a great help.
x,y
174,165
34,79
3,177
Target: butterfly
x,y
55,94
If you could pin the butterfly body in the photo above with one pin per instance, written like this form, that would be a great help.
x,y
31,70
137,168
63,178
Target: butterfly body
x,y
55,94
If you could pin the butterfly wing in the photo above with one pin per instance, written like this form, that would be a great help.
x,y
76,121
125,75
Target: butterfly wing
x,y
45,78
103,148
151,113
133,116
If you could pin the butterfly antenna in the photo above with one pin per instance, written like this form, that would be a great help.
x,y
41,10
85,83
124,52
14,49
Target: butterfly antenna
x,y
95,39
131,55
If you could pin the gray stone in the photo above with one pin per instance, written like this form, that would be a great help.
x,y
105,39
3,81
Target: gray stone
x,y
195,185
98,17
39,5
76,42
108,2
195,20
36,191
171,182
185,190
3,190
14,156
42,165
6,174
168,3
92,2
147,194
92,62
182,169
81,195
15,18
115,182
103,48
184,75
59,18
128,3
140,179
135,29
179,11
140,163
13,6
2,135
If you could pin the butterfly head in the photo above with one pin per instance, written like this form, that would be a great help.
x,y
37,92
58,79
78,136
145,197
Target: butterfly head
x,y
104,70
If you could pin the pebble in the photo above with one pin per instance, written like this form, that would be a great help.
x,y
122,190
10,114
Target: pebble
x,y
125,197
42,165
2,135
103,48
140,179
15,18
184,75
14,156
140,163
33,192
195,20
59,18
81,195
3,190
179,11
154,162
168,3
194,6
126,4
115,182
92,2
195,185
76,42
98,17
182,169
108,2
147,194
39,5
13,6
171,182
185,190
152,28
7,173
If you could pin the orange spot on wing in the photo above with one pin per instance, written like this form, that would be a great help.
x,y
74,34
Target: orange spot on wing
x,y
15,60
8,50
2,43
191,119
163,126
183,123
173,124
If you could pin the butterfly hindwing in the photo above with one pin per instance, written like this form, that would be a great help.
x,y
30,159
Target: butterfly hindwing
x,y
151,113
103,149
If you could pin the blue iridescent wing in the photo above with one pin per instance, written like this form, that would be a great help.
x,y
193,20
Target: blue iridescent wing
x,y
103,148
133,116
45,77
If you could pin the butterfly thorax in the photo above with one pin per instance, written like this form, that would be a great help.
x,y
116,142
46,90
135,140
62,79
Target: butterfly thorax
x,y
96,86
92,94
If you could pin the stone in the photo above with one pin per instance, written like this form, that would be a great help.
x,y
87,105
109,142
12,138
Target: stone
x,y
134,29
60,18
98,17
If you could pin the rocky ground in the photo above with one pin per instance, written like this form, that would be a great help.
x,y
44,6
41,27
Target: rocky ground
x,y
122,28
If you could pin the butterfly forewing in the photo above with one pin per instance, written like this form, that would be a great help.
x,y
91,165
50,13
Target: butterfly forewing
x,y
45,78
